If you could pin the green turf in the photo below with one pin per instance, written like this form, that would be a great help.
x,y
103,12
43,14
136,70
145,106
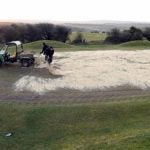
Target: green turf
x,y
140,43
37,45
60,46
109,126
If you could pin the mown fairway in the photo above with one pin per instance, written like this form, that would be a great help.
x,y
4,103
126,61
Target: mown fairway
x,y
113,125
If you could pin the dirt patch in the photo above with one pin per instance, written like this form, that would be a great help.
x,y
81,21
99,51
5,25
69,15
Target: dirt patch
x,y
74,96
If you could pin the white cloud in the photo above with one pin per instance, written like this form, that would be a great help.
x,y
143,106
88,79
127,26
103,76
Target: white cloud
x,y
76,10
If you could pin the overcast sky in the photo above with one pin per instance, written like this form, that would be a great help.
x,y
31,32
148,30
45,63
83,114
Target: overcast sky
x,y
75,10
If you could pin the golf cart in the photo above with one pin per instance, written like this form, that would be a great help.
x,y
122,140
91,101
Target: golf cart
x,y
13,52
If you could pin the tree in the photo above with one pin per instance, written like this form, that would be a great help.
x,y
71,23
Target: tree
x,y
114,36
62,33
9,33
146,33
34,32
136,34
46,31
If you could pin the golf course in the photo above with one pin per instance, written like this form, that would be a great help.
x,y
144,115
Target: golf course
x,y
75,75
93,96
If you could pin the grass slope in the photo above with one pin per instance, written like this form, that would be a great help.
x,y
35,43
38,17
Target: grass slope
x,y
60,46
136,44
38,44
109,126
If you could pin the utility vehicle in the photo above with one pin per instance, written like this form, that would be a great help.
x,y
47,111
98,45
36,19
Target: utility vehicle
x,y
12,52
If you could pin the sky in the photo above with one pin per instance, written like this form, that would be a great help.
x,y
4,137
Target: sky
x,y
75,10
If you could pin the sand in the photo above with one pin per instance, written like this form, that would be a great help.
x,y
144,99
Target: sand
x,y
89,70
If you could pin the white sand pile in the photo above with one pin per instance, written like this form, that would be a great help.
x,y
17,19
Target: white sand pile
x,y
93,70
39,61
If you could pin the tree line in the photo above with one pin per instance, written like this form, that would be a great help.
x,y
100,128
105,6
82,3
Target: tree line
x,y
33,32
115,36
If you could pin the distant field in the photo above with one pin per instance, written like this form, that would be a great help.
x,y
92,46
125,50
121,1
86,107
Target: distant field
x,y
108,126
90,37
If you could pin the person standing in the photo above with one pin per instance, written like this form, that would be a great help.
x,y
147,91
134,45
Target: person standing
x,y
48,51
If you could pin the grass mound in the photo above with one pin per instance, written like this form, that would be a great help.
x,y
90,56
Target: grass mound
x,y
38,44
139,43
111,125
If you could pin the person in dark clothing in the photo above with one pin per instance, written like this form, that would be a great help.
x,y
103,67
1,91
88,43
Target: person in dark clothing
x,y
48,51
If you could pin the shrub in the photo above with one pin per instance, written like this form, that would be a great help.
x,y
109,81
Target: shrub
x,y
146,33
116,36
34,32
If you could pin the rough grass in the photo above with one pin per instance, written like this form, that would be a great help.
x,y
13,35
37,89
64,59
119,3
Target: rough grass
x,y
112,125
90,37
136,44
38,45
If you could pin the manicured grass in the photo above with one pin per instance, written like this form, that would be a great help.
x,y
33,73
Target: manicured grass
x,y
60,46
37,45
136,44
118,125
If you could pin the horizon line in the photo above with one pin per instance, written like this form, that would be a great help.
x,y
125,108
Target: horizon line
x,y
76,22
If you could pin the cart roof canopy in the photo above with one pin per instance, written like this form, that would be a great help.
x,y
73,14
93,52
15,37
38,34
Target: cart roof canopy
x,y
14,42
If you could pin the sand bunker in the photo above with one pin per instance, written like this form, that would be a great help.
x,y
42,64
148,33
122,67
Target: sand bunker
x,y
90,70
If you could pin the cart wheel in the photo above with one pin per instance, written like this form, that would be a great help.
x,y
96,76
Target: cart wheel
x,y
25,63
1,63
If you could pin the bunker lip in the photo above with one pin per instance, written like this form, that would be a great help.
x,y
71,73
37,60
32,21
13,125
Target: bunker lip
x,y
61,96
